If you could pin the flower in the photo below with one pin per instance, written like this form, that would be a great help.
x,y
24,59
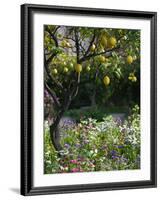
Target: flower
x,y
120,146
73,161
75,170
114,157
113,152
78,145
118,121
66,145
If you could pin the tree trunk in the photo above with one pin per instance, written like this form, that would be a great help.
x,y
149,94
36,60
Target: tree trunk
x,y
55,137
55,134
93,98
54,129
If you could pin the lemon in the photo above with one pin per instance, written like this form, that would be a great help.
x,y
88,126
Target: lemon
x,y
134,57
103,41
93,47
106,80
134,79
65,69
71,65
112,41
88,68
129,59
78,68
102,59
54,71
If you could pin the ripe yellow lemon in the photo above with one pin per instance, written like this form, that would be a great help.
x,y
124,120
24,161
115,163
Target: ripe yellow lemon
x,y
93,47
102,59
106,80
134,79
112,41
129,59
78,68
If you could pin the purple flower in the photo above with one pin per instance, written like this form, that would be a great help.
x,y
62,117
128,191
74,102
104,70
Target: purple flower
x,y
122,159
78,145
114,157
120,146
113,152
118,121
66,145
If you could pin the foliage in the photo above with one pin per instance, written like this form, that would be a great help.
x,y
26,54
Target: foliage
x,y
95,112
99,52
96,146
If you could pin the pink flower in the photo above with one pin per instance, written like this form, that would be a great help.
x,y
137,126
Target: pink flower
x,y
75,170
73,161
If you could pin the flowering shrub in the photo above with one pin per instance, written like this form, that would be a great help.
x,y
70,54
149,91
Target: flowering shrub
x,y
96,146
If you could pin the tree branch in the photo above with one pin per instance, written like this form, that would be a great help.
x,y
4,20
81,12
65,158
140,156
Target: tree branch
x,y
53,36
90,44
56,29
76,87
53,95
97,54
50,58
58,84
77,44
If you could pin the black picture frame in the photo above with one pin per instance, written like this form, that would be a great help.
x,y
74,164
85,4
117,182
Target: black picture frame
x,y
27,187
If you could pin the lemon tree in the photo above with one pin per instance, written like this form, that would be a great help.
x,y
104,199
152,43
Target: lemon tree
x,y
99,62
